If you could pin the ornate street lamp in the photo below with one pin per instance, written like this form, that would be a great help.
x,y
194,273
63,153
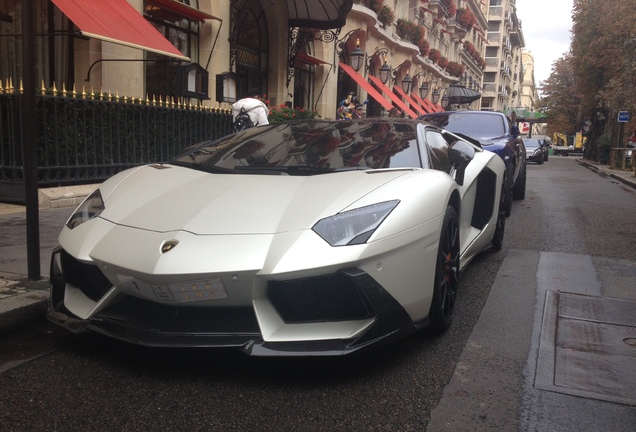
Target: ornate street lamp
x,y
385,72
445,102
423,90
356,57
407,83
435,96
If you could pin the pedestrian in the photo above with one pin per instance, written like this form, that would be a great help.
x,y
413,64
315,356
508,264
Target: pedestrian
x,y
514,127
358,113
394,113
255,108
632,139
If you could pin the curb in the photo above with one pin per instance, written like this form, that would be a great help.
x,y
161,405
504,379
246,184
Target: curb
x,y
627,181
24,309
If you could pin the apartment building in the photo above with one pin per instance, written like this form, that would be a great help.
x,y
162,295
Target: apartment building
x,y
503,74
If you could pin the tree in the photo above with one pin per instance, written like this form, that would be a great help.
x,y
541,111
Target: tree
x,y
561,99
603,46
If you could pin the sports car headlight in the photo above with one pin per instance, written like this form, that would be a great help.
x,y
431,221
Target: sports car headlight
x,y
92,206
354,226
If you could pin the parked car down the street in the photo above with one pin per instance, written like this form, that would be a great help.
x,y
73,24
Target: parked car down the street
x,y
493,131
301,238
536,150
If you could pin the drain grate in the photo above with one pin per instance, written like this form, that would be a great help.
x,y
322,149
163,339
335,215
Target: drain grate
x,y
587,347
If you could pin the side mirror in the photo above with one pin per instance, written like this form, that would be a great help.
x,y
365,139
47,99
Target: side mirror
x,y
460,154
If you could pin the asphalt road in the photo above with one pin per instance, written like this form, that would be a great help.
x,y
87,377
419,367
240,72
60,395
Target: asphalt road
x,y
56,382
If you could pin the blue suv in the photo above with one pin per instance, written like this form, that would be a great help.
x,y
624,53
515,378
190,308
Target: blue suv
x,y
493,131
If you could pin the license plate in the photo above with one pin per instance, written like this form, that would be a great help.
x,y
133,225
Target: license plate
x,y
182,292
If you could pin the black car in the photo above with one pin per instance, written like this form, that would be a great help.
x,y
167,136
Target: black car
x,y
536,150
493,131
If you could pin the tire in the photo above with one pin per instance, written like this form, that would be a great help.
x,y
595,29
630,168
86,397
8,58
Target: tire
x,y
519,190
540,161
446,275
498,236
508,193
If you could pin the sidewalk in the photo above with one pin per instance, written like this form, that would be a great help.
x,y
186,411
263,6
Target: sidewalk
x,y
626,177
21,300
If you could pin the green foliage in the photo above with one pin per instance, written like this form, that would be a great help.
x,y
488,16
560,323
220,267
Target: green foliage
x,y
451,7
283,113
466,18
561,98
455,69
434,55
374,5
409,31
603,60
386,16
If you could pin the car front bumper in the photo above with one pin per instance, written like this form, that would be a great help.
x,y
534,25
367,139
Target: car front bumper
x,y
322,315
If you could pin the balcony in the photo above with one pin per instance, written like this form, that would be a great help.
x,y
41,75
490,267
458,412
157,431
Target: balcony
x,y
494,38
491,63
505,69
495,13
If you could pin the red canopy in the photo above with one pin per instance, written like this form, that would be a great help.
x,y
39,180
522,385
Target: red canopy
x,y
118,22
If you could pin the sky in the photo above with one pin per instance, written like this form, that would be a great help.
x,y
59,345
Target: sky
x,y
546,26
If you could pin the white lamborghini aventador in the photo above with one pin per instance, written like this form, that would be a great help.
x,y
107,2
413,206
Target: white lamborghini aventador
x,y
301,238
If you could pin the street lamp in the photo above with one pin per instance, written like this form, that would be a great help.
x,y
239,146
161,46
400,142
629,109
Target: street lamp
x,y
407,83
423,89
445,102
356,57
436,94
385,72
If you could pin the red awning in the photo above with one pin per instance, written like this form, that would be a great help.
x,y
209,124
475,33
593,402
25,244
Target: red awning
x,y
181,9
422,102
118,22
365,85
304,58
396,100
427,103
411,102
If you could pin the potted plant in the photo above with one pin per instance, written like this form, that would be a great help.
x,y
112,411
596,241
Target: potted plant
x,y
434,55
386,16
466,18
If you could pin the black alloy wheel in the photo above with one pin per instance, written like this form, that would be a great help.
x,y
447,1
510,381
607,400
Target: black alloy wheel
x,y
446,275
497,238
519,189
508,191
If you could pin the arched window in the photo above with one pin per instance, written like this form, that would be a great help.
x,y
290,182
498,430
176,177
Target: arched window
x,y
249,46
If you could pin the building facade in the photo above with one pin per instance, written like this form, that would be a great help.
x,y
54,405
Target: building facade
x,y
406,53
220,49
503,74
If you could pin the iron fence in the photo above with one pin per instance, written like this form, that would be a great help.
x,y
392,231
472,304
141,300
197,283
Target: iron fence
x,y
86,139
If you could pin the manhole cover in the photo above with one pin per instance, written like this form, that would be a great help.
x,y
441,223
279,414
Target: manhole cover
x,y
585,347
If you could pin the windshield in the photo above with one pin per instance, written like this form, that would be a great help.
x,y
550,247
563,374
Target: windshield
x,y
308,148
476,125
531,143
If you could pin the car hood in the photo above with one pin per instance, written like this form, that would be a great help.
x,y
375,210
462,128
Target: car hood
x,y
169,198
493,141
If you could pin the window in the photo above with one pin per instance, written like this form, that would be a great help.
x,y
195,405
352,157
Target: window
x,y
439,151
161,72
249,48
